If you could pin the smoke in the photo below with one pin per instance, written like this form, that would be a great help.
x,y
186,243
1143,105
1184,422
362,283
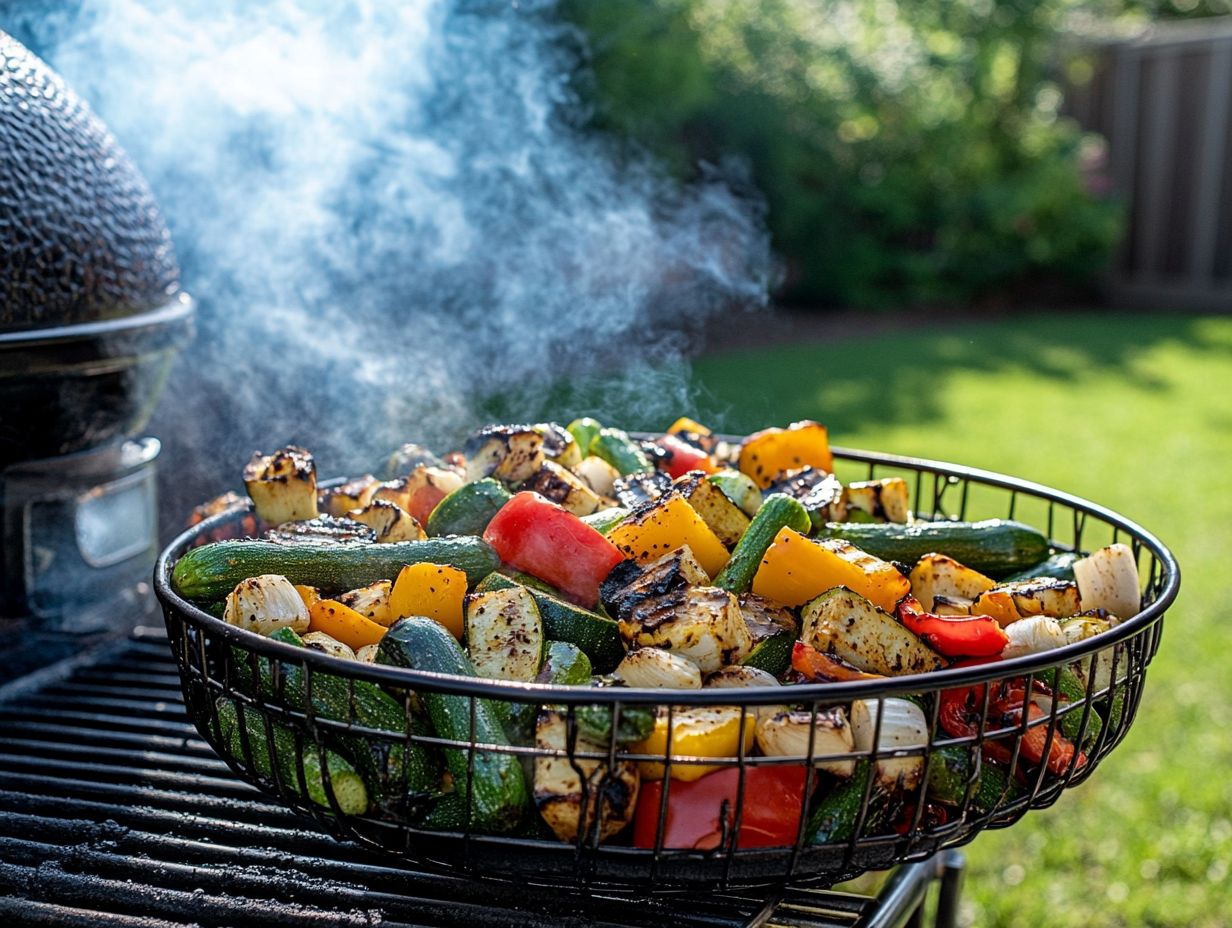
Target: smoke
x,y
391,213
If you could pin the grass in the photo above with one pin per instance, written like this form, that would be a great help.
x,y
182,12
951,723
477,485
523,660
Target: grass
x,y
1133,412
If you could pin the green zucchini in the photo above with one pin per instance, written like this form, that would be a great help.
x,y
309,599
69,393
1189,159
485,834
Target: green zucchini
x,y
739,488
605,520
995,547
949,776
399,775
836,813
598,636
621,451
1071,688
594,723
1060,567
772,653
564,664
280,759
212,571
504,634
584,431
778,511
497,791
468,509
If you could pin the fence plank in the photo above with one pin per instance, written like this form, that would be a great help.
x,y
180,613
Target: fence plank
x,y
1155,171
1212,158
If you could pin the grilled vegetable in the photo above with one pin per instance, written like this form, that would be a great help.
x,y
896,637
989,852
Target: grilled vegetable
x,y
344,624
539,537
559,445
563,488
319,641
939,575
322,532
584,431
703,731
950,774
835,816
739,488
903,726
654,668
844,624
563,665
1044,596
953,636
738,677
693,433
772,630
422,491
605,520
211,571
1108,580
1060,565
436,591
280,760
640,488
609,796
371,601
680,457
1033,635
510,453
390,522
815,667
768,454
884,500
725,518
595,723
468,509
995,547
367,654
598,474
504,634
629,585
408,457
820,493
703,624
788,733
354,494
795,569
597,636
497,793
283,485
777,512
621,451
264,604
665,525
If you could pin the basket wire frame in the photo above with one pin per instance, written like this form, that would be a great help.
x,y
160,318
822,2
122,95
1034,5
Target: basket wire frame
x,y
218,663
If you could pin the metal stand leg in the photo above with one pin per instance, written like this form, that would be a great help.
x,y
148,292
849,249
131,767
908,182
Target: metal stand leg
x,y
952,865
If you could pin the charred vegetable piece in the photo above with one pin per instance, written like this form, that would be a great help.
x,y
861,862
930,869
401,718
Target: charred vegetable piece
x,y
704,624
599,475
665,525
654,668
772,632
319,641
820,493
694,433
680,457
939,575
497,792
835,816
595,723
953,636
564,488
777,512
795,569
702,731
1060,566
1108,580
264,604
559,445
995,547
1033,635
354,494
436,591
408,457
847,625
724,517
283,485
535,535
504,634
788,733
323,531
903,726
211,571
422,491
767,454
630,584
584,431
389,521
510,453
884,500
344,624
610,795
605,520
641,488
621,451
468,509
740,489
950,777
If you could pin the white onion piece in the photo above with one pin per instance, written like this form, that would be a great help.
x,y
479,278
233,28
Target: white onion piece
x,y
1033,635
655,668
1108,580
903,726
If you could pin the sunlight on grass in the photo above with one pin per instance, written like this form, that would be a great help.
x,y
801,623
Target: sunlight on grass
x,y
1134,412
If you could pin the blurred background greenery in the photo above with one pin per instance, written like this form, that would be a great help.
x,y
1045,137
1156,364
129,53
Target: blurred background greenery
x,y
910,152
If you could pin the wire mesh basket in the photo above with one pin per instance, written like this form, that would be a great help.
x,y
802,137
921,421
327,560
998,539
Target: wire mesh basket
x,y
899,802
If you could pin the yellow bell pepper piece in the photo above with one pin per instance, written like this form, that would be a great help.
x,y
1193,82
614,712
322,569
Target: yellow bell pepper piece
x,y
703,731
685,424
766,454
433,590
796,568
999,604
664,527
309,594
342,623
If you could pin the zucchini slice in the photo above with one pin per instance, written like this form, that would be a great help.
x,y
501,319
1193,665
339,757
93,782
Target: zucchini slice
x,y
468,509
739,488
563,487
724,517
848,626
772,629
820,493
884,500
504,634
510,453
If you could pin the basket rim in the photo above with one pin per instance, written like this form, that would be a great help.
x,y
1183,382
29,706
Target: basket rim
x,y
1034,664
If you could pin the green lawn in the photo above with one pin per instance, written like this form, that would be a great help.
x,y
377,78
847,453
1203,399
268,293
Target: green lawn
x,y
1134,412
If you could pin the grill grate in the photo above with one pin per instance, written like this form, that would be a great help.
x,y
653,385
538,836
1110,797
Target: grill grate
x,y
113,812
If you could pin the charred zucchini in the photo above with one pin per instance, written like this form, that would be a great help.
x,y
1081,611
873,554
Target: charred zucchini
x,y
468,509
847,625
724,517
995,547
510,453
563,487
504,634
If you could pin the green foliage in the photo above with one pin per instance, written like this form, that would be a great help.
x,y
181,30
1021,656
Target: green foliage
x,y
908,151
1132,412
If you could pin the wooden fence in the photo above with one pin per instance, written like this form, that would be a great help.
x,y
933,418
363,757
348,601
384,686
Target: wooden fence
x,y
1163,101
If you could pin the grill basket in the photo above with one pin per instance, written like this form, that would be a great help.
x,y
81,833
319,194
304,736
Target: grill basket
x,y
214,659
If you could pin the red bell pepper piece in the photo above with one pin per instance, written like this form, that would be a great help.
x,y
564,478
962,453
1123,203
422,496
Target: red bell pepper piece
x,y
815,666
682,457
535,535
773,804
953,636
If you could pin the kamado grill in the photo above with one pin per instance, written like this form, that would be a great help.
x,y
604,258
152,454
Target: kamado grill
x,y
115,809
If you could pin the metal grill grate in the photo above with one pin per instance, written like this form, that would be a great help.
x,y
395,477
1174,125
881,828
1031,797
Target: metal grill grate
x,y
113,812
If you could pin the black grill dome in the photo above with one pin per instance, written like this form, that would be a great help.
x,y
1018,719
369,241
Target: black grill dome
x,y
81,238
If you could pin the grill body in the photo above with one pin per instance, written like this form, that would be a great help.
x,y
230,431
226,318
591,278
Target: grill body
x,y
215,658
